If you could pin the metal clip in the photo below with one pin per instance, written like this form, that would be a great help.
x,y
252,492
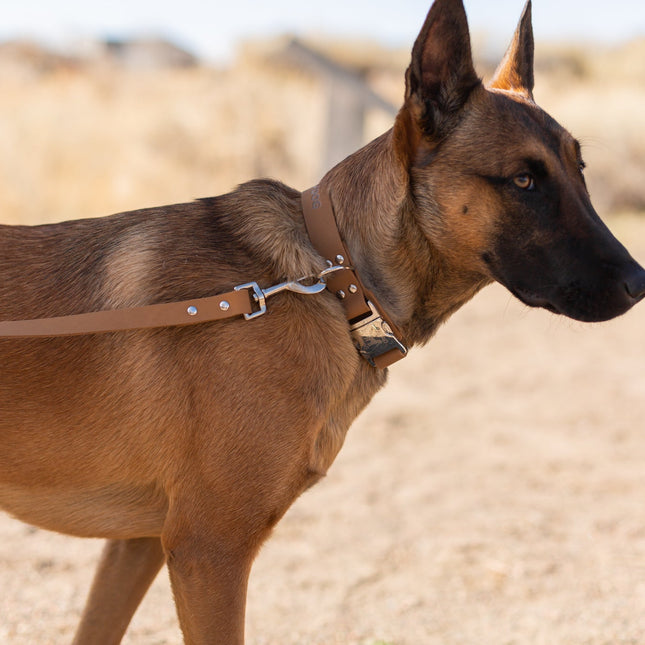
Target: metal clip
x,y
373,337
260,295
296,286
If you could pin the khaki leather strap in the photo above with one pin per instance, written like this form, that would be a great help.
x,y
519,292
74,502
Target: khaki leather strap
x,y
188,312
322,228
323,233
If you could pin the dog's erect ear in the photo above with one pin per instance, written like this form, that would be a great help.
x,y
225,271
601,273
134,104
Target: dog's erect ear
x,y
515,72
441,75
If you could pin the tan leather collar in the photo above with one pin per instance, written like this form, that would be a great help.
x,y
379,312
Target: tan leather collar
x,y
375,335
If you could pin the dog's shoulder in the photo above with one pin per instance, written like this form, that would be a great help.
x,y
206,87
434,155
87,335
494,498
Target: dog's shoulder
x,y
185,250
264,217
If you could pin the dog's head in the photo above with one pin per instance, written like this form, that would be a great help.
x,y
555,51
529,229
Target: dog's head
x,y
497,185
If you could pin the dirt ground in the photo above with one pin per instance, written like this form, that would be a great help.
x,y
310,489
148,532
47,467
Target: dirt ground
x,y
492,494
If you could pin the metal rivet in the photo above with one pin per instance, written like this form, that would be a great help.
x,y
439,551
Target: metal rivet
x,y
340,259
330,264
224,305
353,288
192,311
341,294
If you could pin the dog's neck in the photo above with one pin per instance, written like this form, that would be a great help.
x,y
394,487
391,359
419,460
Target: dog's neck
x,y
372,195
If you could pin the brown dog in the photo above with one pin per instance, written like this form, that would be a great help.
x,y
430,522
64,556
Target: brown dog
x,y
186,445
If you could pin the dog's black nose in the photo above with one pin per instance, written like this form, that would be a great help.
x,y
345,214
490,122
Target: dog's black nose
x,y
635,283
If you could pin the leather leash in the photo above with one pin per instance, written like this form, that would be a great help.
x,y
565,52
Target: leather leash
x,y
188,312
374,334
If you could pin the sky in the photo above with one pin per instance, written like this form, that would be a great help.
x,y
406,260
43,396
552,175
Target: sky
x,y
211,28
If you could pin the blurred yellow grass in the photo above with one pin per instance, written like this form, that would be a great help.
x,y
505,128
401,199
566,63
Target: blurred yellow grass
x,y
93,139
91,142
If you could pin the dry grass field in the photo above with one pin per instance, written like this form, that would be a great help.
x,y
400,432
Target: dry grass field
x,y
493,494
88,140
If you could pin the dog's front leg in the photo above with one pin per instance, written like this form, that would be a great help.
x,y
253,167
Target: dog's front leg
x,y
126,570
209,572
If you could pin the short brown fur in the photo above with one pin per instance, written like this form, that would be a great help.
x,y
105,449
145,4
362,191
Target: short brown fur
x,y
187,445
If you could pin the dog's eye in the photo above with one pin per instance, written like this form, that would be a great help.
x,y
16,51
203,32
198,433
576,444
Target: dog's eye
x,y
581,167
525,181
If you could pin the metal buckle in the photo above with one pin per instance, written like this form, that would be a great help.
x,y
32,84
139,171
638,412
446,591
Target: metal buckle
x,y
373,337
260,295
258,298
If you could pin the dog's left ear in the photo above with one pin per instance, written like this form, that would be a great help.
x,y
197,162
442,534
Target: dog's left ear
x,y
515,72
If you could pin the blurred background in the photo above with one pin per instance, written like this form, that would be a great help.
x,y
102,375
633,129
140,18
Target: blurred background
x,y
111,106
493,493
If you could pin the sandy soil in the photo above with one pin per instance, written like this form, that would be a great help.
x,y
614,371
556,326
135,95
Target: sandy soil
x,y
492,494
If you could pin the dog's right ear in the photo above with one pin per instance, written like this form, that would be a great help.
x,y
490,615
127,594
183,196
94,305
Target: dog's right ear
x,y
441,75
515,72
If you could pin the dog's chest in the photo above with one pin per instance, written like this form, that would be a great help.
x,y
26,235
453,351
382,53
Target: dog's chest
x,y
342,414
